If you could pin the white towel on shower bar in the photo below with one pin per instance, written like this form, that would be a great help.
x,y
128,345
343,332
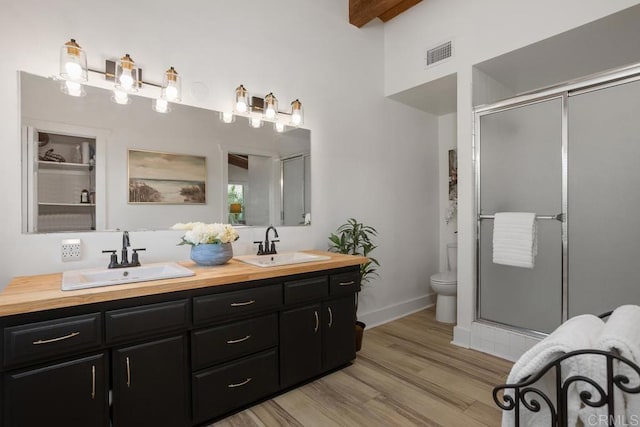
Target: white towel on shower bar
x,y
515,239
577,333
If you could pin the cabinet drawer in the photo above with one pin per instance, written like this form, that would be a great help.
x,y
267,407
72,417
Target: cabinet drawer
x,y
144,320
228,304
213,345
35,341
344,283
304,290
230,386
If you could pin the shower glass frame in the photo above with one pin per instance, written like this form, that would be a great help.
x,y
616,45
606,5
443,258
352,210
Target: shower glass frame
x,y
562,91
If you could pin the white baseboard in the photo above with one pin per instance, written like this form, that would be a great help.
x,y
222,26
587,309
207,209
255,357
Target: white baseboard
x,y
396,311
461,337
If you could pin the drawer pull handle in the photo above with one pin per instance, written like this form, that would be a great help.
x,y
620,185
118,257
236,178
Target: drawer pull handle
x,y
317,322
239,340
66,337
240,304
239,384
330,316
349,283
93,381
128,372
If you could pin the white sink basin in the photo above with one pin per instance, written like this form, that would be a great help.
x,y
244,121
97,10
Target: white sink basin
x,y
280,259
91,278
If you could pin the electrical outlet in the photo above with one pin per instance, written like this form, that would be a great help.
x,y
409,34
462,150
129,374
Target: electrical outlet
x,y
71,249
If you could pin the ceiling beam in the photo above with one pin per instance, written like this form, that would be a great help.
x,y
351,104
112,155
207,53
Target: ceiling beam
x,y
362,12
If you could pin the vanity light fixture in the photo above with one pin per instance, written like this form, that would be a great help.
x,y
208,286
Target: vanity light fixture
x,y
241,104
171,86
297,117
127,75
227,117
160,105
260,109
120,97
270,108
73,68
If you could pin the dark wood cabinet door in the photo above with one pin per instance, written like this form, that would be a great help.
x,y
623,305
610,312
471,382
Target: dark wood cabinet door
x,y
72,393
149,384
338,328
300,344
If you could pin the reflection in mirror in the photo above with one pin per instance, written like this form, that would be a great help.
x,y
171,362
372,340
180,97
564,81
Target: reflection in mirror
x,y
106,131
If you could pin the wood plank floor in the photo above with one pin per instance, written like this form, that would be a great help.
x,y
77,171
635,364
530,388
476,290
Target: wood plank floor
x,y
407,374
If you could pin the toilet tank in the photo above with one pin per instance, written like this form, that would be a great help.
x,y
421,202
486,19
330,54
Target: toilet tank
x,y
452,256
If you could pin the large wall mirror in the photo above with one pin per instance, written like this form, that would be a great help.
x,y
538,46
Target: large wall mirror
x,y
77,164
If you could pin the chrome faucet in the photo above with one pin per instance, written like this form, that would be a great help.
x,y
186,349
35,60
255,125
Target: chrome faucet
x,y
124,261
268,249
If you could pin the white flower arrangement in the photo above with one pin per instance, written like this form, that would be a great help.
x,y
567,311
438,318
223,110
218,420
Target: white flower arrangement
x,y
199,233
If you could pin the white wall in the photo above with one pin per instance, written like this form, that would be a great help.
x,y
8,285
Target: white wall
x,y
479,30
370,155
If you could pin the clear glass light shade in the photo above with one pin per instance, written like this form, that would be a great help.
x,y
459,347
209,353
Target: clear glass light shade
x,y
297,113
171,86
278,127
227,117
71,88
120,97
270,107
127,75
161,105
73,62
241,103
255,122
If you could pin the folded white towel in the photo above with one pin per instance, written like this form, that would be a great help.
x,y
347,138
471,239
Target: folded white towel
x,y
621,333
515,239
576,333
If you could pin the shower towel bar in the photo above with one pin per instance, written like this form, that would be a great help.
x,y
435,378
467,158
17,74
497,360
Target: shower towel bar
x,y
558,217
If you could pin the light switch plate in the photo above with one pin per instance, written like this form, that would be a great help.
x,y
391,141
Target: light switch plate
x,y
71,249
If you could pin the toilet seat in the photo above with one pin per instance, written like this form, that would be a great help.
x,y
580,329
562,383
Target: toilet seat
x,y
445,278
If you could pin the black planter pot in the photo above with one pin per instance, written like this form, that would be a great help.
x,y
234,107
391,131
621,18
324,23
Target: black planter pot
x,y
359,333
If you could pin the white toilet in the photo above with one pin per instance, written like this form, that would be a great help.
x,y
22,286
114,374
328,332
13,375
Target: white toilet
x,y
445,284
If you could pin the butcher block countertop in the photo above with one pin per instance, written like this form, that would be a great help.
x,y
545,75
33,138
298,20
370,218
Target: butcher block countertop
x,y
26,294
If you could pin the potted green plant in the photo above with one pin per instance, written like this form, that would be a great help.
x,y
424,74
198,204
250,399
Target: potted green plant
x,y
356,238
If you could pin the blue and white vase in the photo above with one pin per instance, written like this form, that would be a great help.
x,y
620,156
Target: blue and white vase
x,y
211,254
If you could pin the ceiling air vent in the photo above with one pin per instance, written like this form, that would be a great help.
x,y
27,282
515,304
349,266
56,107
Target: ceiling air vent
x,y
439,53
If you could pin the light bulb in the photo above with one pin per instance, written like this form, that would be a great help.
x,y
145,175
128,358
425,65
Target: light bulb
x,y
73,88
120,97
241,107
270,113
74,70
296,118
255,122
126,81
161,105
279,127
171,93
226,117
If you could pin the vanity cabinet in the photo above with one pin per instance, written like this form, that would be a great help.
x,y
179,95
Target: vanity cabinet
x,y
182,358
73,393
150,384
320,336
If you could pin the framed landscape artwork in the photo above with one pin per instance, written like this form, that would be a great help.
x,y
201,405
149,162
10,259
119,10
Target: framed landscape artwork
x,y
166,178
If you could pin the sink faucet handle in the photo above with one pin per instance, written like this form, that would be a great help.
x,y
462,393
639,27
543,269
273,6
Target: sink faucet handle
x,y
272,249
260,247
113,261
135,262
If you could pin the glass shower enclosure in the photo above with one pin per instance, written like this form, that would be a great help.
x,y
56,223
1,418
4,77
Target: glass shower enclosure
x,y
571,155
